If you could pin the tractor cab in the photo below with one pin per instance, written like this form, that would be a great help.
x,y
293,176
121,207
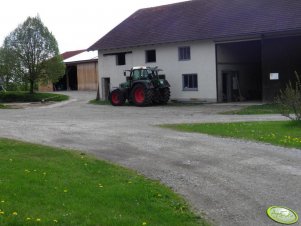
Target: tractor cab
x,y
140,73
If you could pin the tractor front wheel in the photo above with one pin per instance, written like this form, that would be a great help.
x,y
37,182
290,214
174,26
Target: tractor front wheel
x,y
141,96
116,98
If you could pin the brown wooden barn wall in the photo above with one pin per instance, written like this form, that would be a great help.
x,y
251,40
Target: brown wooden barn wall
x,y
46,87
87,76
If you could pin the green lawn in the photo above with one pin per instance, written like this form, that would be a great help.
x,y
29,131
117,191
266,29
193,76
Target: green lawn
x,y
283,133
48,186
12,96
257,109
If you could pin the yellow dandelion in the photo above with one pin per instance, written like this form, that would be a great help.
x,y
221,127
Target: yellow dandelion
x,y
144,223
65,190
1,212
28,218
15,213
38,219
2,201
130,182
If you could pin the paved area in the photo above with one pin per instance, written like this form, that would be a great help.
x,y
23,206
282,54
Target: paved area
x,y
229,181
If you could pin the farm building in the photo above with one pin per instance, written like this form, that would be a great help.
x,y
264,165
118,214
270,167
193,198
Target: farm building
x,y
210,50
81,72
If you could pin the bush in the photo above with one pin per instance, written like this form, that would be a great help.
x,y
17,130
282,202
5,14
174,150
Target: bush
x,y
289,100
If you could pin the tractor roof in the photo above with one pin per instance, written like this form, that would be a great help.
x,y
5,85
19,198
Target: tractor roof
x,y
139,67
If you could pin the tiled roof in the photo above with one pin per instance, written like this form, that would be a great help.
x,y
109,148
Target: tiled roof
x,y
69,54
203,19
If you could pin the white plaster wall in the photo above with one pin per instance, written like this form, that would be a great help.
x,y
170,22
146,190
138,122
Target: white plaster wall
x,y
202,63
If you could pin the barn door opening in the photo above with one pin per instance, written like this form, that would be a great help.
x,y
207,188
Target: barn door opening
x,y
72,78
68,81
231,88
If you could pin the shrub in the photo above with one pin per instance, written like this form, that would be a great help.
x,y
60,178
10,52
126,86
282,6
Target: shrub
x,y
289,100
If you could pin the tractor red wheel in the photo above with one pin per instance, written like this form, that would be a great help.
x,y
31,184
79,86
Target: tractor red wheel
x,y
117,98
141,95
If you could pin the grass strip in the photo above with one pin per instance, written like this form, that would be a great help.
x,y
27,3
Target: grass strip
x,y
20,97
283,133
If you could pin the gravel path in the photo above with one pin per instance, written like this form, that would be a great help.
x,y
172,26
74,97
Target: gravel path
x,y
229,181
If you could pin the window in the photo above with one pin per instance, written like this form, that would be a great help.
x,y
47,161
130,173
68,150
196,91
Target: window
x,y
120,59
190,82
184,53
150,56
136,74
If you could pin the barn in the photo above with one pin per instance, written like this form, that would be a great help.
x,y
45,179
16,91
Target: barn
x,y
81,73
210,50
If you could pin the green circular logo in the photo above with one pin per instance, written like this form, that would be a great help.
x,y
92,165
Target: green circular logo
x,y
282,215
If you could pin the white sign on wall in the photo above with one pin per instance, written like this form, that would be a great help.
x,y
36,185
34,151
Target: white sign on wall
x,y
274,76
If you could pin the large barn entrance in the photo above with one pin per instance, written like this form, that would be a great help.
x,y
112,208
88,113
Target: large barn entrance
x,y
239,71
256,70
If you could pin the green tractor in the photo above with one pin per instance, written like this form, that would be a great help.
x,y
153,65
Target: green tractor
x,y
143,87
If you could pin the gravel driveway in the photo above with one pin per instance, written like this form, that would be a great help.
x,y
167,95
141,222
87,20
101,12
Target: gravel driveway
x,y
229,181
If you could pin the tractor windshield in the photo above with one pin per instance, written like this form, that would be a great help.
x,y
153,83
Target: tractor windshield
x,y
141,74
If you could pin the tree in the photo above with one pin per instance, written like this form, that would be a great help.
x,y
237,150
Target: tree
x,y
8,70
289,100
36,53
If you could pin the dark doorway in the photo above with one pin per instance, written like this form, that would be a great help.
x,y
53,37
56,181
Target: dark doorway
x,y
231,89
106,87
281,56
61,85
68,81
72,77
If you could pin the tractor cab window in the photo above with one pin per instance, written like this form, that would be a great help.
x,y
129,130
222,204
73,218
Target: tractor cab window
x,y
147,73
141,74
144,74
136,74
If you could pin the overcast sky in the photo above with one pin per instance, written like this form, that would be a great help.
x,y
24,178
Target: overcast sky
x,y
76,24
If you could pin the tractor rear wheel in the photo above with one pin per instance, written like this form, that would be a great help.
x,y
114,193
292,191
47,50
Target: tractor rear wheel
x,y
164,95
141,96
117,98
156,97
